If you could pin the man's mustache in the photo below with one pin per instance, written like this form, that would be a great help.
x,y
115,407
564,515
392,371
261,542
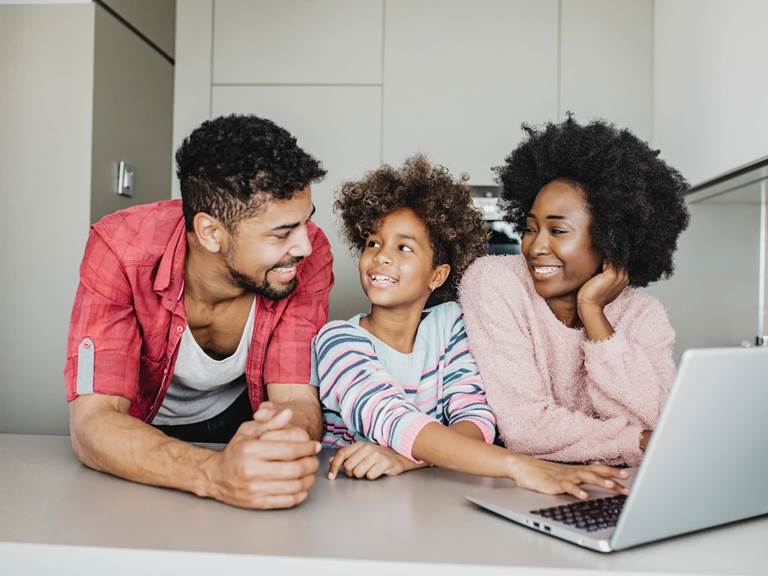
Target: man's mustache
x,y
287,263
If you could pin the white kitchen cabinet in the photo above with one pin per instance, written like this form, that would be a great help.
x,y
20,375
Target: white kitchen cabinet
x,y
606,62
297,41
461,76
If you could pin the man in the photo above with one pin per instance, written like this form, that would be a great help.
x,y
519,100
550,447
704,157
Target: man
x,y
189,311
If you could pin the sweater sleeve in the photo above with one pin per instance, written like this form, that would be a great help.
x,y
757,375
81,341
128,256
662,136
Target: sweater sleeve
x,y
528,415
353,382
631,372
463,392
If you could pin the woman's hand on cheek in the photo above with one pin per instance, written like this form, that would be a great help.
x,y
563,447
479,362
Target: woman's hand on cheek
x,y
602,288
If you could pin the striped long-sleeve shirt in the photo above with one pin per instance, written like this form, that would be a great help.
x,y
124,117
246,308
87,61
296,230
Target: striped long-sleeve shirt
x,y
372,392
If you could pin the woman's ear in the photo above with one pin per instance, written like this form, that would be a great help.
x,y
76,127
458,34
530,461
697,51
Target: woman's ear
x,y
208,231
439,276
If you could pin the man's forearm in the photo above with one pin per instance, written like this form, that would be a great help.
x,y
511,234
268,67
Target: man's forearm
x,y
121,445
307,416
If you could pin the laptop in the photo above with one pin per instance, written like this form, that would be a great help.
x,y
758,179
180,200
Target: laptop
x,y
706,464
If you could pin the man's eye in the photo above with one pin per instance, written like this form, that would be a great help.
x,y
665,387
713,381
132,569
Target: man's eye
x,y
527,230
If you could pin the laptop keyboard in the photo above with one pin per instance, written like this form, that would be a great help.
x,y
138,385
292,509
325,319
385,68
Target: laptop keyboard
x,y
590,515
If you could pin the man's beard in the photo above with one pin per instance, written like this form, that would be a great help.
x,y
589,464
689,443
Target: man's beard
x,y
265,288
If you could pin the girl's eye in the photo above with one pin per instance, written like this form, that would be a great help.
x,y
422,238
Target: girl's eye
x,y
371,244
282,236
405,248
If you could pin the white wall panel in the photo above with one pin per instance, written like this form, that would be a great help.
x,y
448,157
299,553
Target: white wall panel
x,y
340,127
712,299
606,66
46,71
460,76
297,41
192,81
711,85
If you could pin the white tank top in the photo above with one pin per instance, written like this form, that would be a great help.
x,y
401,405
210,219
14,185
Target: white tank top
x,y
202,387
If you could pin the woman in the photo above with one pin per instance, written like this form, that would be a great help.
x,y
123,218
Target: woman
x,y
576,363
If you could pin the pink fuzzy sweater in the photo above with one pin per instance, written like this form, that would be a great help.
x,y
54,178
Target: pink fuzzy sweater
x,y
556,394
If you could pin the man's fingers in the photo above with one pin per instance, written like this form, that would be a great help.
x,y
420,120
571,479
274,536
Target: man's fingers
x,y
265,411
283,470
281,451
255,428
288,434
276,501
279,487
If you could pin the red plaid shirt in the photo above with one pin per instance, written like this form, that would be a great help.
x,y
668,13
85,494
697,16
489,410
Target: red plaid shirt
x,y
128,315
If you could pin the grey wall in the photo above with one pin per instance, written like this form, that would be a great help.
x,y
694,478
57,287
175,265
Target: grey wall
x,y
46,71
132,116
361,82
80,91
712,299
156,19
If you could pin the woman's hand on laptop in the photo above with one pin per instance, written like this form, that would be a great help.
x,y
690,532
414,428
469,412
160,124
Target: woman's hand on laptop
x,y
552,478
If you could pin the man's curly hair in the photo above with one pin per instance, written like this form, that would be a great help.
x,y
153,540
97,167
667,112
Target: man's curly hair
x,y
635,198
229,166
456,230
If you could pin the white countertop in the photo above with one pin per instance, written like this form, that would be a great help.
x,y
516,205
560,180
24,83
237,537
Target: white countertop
x,y
55,514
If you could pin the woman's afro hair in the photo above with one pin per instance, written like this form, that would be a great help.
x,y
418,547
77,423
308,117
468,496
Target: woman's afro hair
x,y
229,165
455,227
635,198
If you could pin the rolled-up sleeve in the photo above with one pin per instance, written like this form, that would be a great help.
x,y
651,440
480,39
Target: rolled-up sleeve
x,y
103,343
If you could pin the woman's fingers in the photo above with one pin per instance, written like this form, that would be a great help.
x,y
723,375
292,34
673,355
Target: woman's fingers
x,y
589,477
569,487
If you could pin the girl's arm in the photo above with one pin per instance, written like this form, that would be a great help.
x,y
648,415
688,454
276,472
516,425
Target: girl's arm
x,y
354,384
447,448
465,408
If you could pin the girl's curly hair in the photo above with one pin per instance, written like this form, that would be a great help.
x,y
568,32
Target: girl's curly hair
x,y
456,230
635,198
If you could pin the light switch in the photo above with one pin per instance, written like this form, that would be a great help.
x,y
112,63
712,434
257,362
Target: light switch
x,y
126,175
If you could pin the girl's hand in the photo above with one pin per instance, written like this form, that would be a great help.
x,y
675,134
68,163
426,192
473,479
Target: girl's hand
x,y
602,288
552,478
364,460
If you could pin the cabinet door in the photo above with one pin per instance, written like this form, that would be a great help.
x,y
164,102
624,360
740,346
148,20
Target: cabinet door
x,y
606,68
297,42
460,76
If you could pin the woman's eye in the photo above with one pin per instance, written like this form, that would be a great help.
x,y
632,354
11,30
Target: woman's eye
x,y
558,231
282,236
405,248
371,244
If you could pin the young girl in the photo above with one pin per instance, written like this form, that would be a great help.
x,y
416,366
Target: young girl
x,y
576,364
399,386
